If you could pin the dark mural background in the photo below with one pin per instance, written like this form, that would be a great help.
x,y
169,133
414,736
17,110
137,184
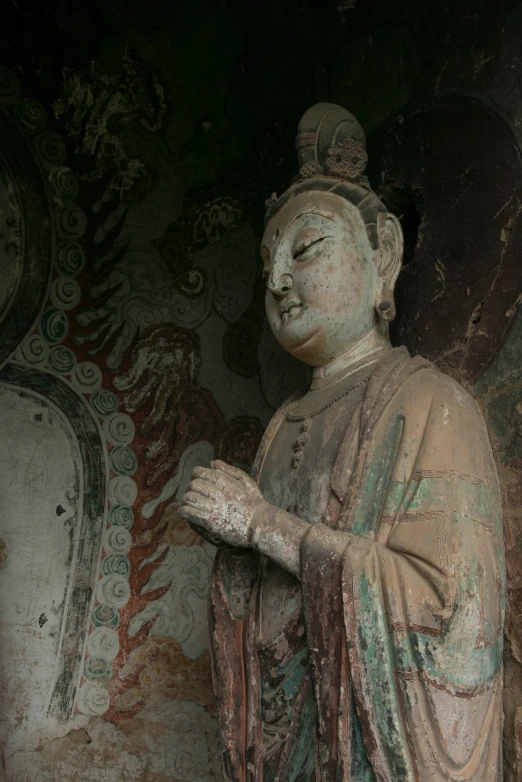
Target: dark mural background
x,y
161,128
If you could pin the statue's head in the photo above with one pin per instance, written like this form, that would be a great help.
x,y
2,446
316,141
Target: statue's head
x,y
331,250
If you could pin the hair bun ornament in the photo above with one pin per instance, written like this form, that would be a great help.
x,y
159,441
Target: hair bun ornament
x,y
269,203
313,168
331,149
347,159
330,142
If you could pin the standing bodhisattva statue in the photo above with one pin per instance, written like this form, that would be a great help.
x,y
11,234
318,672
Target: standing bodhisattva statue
x,y
357,596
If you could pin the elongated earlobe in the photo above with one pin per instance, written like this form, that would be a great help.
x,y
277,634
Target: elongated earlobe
x,y
385,304
389,261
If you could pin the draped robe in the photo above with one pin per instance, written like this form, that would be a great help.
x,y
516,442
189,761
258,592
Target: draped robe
x,y
402,587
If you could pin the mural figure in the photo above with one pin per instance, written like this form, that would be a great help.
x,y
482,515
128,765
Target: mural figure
x,y
357,596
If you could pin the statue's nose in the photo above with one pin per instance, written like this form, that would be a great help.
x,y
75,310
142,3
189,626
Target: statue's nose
x,y
280,284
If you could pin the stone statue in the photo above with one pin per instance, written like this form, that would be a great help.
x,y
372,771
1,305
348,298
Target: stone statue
x,y
357,596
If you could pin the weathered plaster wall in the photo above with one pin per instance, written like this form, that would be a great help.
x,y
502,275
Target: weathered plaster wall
x,y
139,142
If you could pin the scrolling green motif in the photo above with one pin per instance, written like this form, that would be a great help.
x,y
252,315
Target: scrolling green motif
x,y
70,258
104,402
115,564
53,325
30,115
106,616
121,516
62,360
123,460
63,184
97,669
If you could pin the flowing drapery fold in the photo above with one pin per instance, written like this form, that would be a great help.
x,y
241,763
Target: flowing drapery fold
x,y
402,588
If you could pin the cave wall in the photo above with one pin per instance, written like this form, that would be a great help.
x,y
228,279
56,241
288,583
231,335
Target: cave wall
x,y
138,144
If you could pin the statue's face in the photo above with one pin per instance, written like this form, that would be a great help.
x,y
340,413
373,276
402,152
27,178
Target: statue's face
x,y
320,275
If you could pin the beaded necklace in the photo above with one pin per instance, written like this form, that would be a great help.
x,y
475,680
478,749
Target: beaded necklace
x,y
300,443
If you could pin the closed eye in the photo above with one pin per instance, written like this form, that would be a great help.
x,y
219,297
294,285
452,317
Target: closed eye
x,y
304,247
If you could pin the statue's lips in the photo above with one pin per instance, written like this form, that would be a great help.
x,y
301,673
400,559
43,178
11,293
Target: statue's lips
x,y
290,312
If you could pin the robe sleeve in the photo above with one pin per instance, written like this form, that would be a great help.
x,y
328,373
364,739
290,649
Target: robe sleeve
x,y
232,616
417,566
230,602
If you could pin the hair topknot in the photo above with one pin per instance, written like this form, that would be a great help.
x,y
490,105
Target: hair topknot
x,y
331,150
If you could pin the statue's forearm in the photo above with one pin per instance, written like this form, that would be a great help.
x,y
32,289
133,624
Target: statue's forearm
x,y
278,535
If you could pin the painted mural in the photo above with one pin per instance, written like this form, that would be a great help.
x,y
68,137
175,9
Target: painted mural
x,y
104,416
133,343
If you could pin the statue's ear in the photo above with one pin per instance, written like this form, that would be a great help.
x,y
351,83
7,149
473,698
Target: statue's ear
x,y
389,260
391,246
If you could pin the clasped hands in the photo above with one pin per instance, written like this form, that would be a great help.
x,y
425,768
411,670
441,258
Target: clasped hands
x,y
220,503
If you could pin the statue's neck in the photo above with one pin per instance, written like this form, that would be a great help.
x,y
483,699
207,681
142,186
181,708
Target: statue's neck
x,y
365,348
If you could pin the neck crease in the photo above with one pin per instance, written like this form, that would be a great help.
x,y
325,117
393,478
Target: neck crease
x,y
372,342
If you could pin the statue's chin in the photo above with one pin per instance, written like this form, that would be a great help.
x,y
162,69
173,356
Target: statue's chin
x,y
291,335
306,345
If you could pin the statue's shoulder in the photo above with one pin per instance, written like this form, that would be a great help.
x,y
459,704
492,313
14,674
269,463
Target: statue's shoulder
x,y
444,427
433,384
430,395
414,383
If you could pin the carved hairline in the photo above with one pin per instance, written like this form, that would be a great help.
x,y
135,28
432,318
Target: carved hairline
x,y
364,199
